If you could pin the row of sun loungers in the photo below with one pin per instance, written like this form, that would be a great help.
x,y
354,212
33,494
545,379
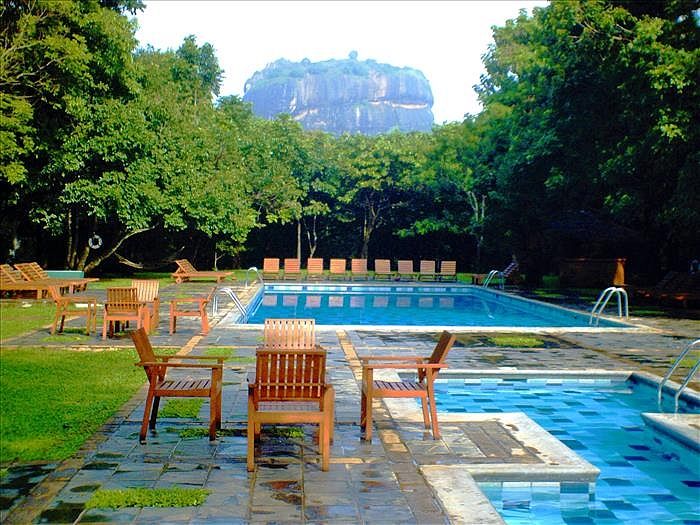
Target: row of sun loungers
x,y
358,270
31,277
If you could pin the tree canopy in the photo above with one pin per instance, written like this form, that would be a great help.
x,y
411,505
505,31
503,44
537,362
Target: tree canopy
x,y
588,144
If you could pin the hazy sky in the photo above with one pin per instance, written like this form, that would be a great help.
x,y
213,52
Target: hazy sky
x,y
444,40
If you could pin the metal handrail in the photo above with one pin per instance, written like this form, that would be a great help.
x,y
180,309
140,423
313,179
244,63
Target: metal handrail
x,y
490,277
604,298
232,295
257,274
687,380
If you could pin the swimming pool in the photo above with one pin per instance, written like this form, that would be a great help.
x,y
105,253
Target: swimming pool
x,y
644,478
410,305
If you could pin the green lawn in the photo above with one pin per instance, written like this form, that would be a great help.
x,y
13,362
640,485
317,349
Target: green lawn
x,y
53,400
18,317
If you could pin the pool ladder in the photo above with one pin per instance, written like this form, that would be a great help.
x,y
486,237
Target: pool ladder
x,y
603,299
689,347
234,298
257,273
493,274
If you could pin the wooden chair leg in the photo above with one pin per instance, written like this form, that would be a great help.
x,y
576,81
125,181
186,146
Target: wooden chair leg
x,y
146,416
424,407
104,327
212,418
433,410
250,459
154,413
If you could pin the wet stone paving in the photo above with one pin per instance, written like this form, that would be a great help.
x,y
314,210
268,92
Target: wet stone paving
x,y
377,482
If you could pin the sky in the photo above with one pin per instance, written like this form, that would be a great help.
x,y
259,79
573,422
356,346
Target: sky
x,y
444,40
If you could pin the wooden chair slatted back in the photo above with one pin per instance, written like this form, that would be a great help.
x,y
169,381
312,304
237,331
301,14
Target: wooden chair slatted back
x,y
292,265
405,266
448,267
271,264
32,271
290,375
186,266
439,353
337,266
146,354
11,274
123,300
358,265
146,289
427,267
314,265
382,266
291,334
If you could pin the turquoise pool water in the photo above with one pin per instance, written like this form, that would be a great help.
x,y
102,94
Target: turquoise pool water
x,y
644,478
410,306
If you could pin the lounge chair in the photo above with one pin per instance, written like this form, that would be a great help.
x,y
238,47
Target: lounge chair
x,y
382,269
72,306
427,271
406,270
338,269
290,384
427,370
675,287
160,385
32,272
122,304
292,269
271,268
358,269
448,271
185,272
147,291
12,283
314,268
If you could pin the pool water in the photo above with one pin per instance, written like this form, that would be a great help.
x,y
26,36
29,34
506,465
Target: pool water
x,y
410,306
643,478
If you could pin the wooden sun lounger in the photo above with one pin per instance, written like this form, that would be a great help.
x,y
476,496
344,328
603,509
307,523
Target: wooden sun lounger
x,y
337,269
292,269
185,271
358,269
406,270
427,271
314,268
448,271
382,269
33,272
271,268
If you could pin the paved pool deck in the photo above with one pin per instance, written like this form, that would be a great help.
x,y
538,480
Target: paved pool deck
x,y
402,476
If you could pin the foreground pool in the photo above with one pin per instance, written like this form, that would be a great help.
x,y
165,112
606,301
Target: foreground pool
x,y
644,478
411,305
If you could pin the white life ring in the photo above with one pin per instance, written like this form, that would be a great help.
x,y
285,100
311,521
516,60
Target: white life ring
x,y
95,242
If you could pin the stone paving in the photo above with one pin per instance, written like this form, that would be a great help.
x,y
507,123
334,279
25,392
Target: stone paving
x,y
400,477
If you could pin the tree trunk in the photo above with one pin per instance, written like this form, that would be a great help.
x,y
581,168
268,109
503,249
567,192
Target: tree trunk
x,y
312,236
88,267
299,239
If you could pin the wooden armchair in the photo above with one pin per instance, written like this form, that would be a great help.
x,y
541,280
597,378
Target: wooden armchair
x,y
123,305
69,306
147,291
160,385
290,387
191,307
423,388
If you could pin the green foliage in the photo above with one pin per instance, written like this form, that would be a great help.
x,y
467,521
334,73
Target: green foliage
x,y
53,400
143,497
200,432
185,408
516,341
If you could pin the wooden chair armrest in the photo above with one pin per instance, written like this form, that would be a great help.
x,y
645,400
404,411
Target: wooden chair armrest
x,y
189,300
393,358
407,366
180,365
193,357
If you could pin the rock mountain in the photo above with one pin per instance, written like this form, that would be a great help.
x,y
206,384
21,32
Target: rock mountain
x,y
339,96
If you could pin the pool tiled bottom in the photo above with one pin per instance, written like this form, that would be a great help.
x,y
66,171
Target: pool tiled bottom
x,y
643,479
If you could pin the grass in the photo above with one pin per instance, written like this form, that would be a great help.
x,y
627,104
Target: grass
x,y
516,341
143,497
199,432
181,408
53,400
20,316
109,280
229,354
